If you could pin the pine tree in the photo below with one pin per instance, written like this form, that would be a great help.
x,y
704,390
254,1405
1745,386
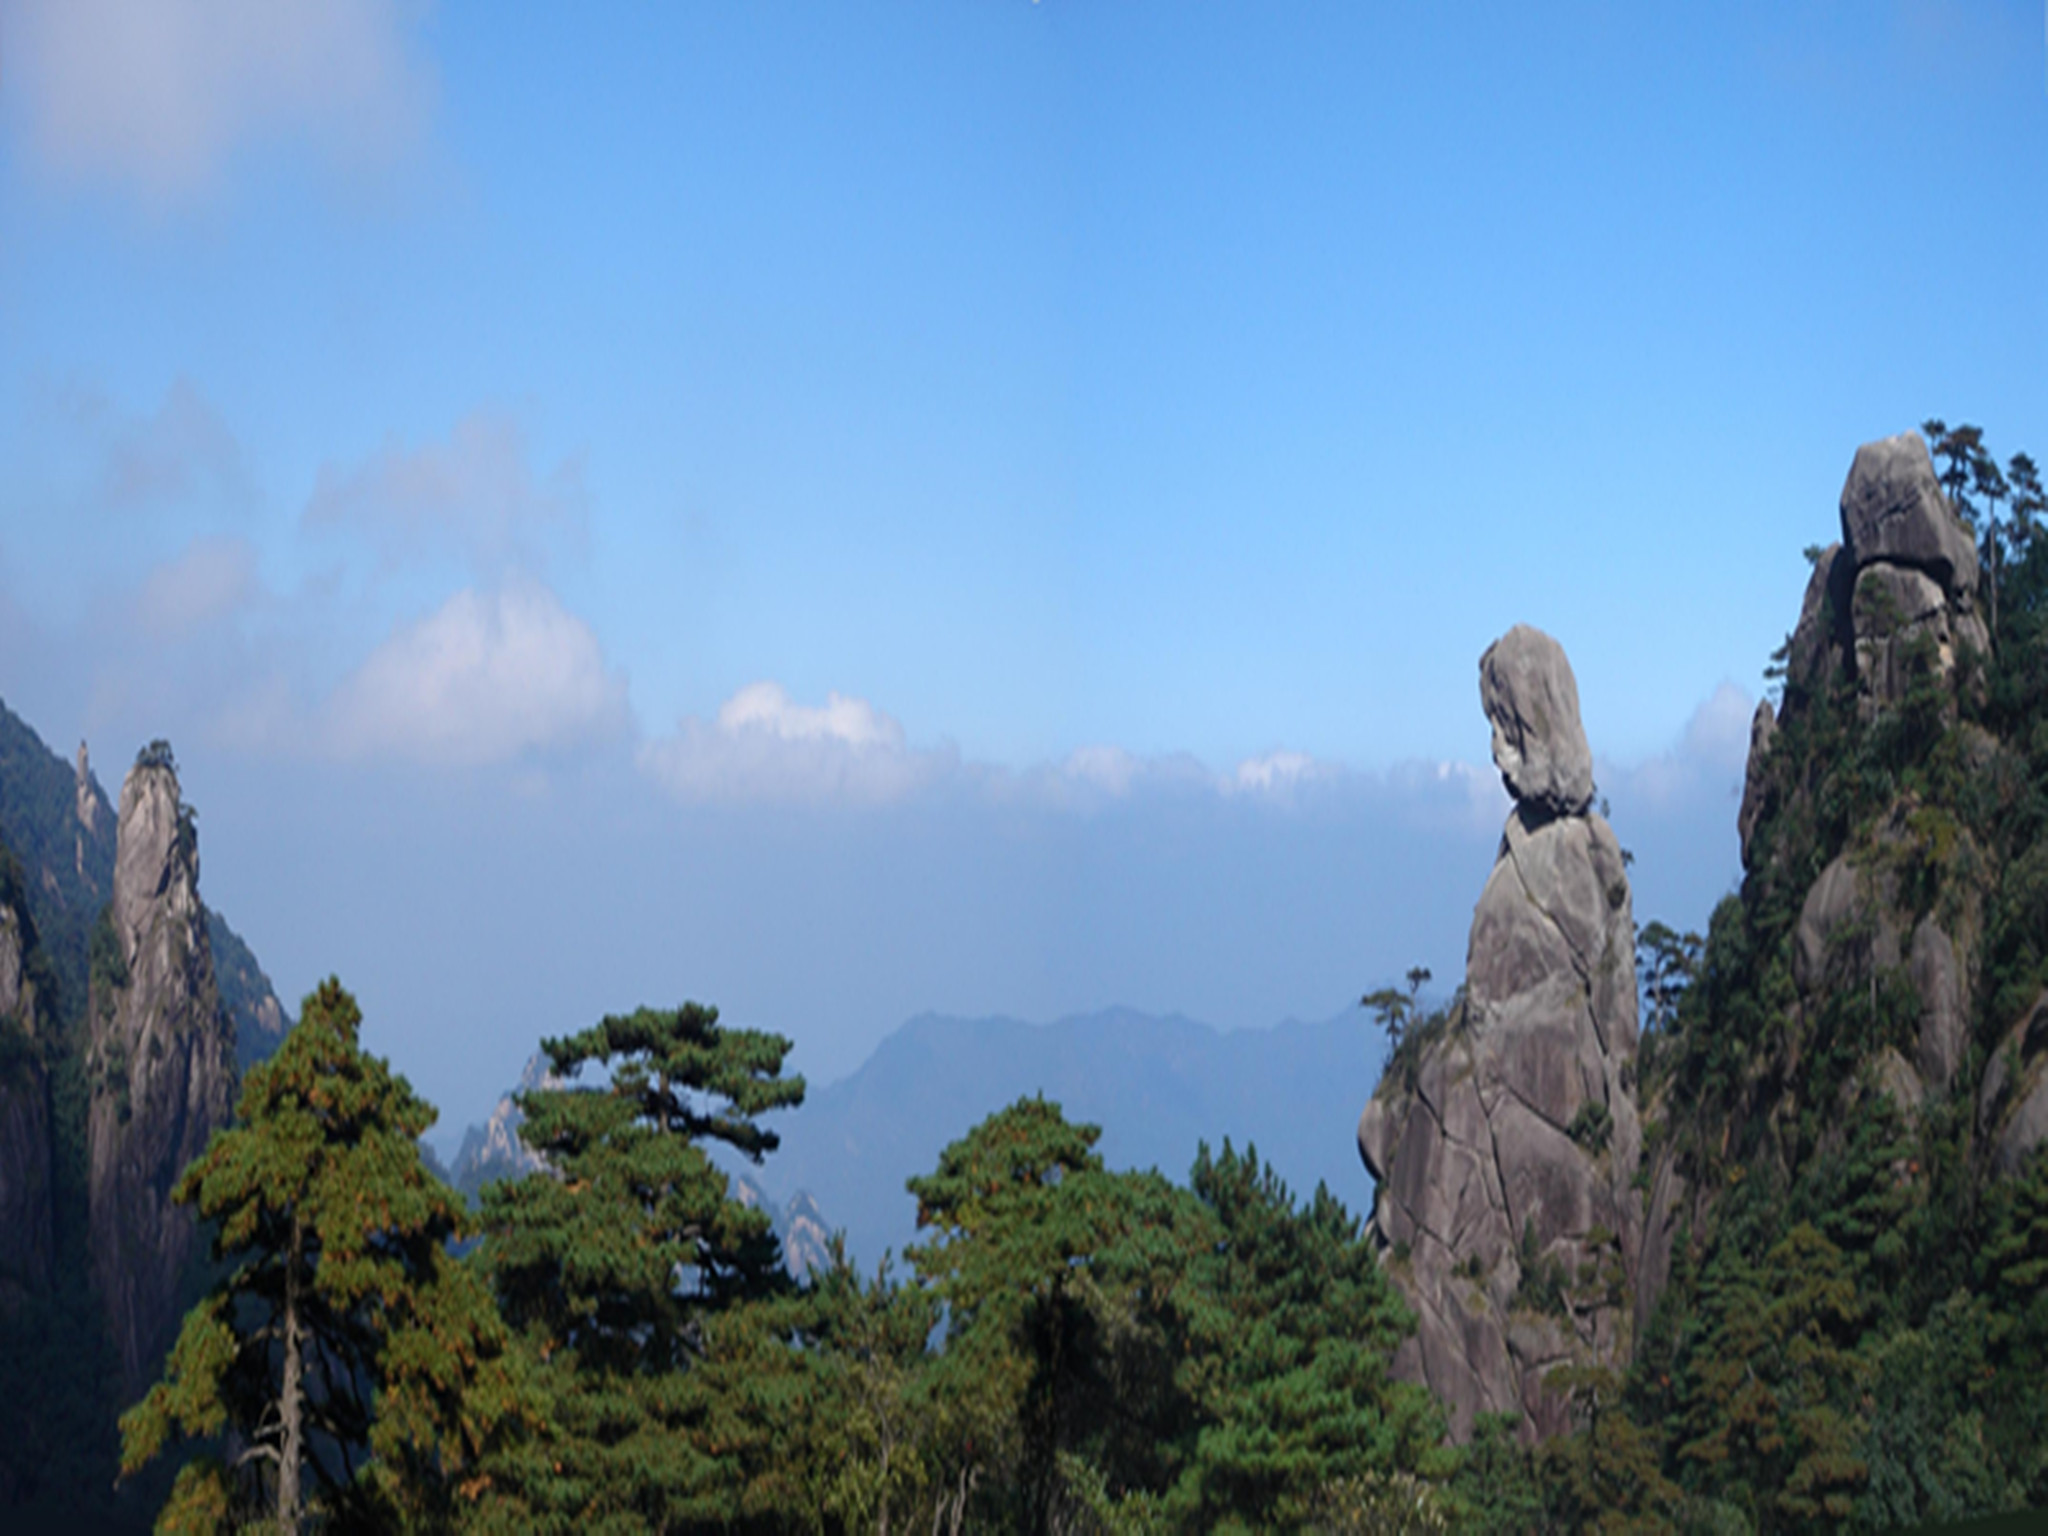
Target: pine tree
x,y
652,1301
1292,1327
348,1362
1017,1210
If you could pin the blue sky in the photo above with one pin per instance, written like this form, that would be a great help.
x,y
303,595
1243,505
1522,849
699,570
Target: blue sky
x,y
987,507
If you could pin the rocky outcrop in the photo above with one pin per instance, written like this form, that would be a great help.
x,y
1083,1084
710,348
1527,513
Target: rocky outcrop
x,y
161,1067
1756,789
26,1236
493,1150
1912,605
2012,1104
1532,700
1891,607
1505,1141
1893,513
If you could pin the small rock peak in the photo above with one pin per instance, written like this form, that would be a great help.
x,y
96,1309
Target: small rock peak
x,y
1539,745
1893,510
88,802
156,858
162,1066
1756,789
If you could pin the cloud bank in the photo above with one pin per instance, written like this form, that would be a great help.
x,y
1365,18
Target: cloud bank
x,y
156,97
763,748
487,677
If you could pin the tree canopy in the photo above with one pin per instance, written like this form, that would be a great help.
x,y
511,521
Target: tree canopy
x,y
345,1363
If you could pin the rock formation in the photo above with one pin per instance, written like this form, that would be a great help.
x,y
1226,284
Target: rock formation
x,y
160,1060
26,1235
1892,606
1504,1143
1889,626
2012,1105
493,1150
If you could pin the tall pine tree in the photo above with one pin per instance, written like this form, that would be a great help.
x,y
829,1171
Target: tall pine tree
x,y
651,1299
345,1363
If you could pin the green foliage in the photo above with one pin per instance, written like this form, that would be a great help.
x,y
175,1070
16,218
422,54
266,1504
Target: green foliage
x,y
1046,1265
343,1345
1592,1127
107,966
651,1302
876,1431
1292,1326
1607,1475
1769,1412
1544,1282
1124,1355
1496,1490
57,1441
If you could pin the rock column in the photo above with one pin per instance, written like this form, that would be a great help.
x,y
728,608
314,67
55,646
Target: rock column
x,y
1505,1146
161,1066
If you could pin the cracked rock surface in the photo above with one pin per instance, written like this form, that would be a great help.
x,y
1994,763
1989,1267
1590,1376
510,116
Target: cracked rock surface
x,y
161,1066
1505,1142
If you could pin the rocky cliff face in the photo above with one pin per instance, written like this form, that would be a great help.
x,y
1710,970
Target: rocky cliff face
x,y
493,1150
1890,901
1505,1141
1893,607
160,1061
26,1236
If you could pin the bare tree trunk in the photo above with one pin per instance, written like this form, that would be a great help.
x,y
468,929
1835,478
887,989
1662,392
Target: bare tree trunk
x,y
291,1408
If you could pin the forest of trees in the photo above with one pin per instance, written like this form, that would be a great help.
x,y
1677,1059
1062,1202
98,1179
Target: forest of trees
x,y
618,1346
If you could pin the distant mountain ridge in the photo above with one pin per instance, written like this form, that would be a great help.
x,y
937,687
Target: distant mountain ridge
x,y
1158,1087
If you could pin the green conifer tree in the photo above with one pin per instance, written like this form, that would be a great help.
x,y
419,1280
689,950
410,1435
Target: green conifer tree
x,y
1291,1331
652,1302
344,1363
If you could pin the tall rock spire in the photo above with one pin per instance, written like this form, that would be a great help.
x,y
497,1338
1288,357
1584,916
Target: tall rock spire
x,y
161,1066
1506,1140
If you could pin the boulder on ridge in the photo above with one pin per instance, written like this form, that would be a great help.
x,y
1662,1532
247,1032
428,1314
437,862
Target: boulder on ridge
x,y
1529,694
1893,510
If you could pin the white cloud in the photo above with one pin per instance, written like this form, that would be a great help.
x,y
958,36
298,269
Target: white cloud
x,y
1708,757
762,747
475,495
488,677
1110,770
157,96
1275,773
212,578
852,722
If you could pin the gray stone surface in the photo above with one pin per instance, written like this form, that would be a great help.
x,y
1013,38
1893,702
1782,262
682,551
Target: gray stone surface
x,y
1944,1003
1514,1130
1530,696
1763,730
1893,510
1814,653
1903,622
1840,928
161,1063
2012,1104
